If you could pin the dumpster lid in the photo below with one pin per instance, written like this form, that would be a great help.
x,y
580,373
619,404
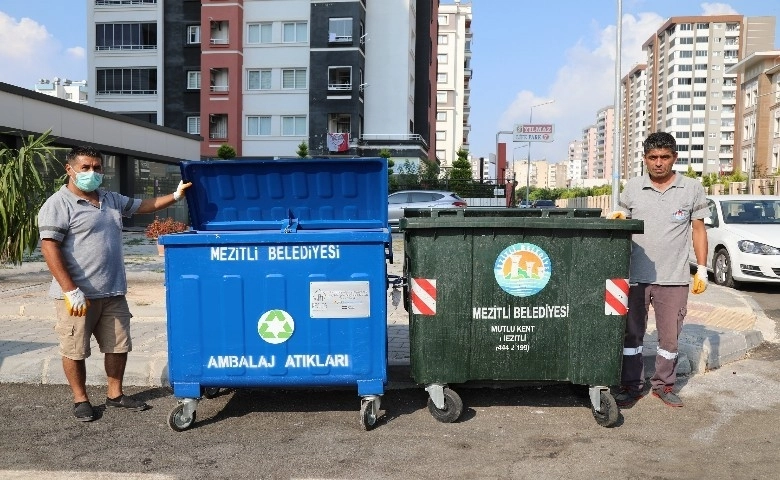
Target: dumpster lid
x,y
287,194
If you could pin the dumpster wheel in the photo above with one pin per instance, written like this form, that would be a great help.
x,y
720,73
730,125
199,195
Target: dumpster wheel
x,y
369,412
178,421
209,392
453,407
608,416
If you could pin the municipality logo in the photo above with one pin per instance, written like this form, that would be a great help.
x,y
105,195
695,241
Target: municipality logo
x,y
275,326
522,269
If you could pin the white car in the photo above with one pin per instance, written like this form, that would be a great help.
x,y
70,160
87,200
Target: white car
x,y
398,201
743,236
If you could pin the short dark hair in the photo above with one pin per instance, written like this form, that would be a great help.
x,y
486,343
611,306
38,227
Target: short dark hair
x,y
82,151
660,140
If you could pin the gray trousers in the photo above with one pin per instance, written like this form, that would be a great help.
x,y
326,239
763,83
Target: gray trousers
x,y
670,306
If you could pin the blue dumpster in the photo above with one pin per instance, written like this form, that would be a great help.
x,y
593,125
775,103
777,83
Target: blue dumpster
x,y
281,281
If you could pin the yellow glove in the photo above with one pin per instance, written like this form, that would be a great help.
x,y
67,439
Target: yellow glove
x,y
617,215
180,189
76,303
700,280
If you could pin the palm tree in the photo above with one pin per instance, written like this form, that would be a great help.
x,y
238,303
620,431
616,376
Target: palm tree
x,y
25,183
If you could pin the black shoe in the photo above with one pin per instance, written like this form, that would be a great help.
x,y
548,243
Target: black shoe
x,y
627,397
83,411
123,401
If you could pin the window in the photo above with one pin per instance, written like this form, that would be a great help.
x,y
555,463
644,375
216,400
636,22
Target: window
x,y
295,32
193,80
703,39
443,40
714,108
294,78
683,81
125,36
441,97
685,54
441,116
684,68
340,30
294,125
441,78
256,125
441,135
258,79
441,58
340,78
685,26
193,125
258,33
686,41
683,94
126,81
193,34
681,134
444,20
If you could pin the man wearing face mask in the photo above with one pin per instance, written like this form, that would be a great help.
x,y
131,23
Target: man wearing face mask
x,y
81,240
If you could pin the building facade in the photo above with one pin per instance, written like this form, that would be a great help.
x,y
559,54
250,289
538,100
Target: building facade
x,y
689,92
345,78
453,79
634,121
74,91
758,113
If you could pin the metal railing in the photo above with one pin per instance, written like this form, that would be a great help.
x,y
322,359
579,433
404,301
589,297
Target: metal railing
x,y
124,2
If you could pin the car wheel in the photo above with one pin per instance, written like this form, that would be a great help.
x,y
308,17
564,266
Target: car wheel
x,y
721,268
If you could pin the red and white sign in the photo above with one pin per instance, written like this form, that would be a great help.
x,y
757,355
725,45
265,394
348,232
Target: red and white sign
x,y
423,296
616,298
338,142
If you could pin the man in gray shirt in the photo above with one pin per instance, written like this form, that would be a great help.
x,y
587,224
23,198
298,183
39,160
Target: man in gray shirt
x,y
673,208
81,240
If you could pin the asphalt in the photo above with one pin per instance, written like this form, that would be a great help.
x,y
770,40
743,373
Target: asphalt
x,y
722,326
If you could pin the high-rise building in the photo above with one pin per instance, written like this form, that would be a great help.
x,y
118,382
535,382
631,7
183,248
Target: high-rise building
x,y
453,79
689,93
633,121
575,170
605,139
265,76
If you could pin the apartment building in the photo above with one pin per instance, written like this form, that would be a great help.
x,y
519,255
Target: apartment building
x,y
758,113
453,79
589,151
689,92
265,76
634,121
574,170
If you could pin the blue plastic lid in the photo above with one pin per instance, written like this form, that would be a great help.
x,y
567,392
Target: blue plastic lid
x,y
287,194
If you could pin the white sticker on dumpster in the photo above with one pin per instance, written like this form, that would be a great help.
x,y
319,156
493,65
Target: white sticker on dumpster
x,y
349,299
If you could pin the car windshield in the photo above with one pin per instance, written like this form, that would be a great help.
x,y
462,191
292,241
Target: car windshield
x,y
751,211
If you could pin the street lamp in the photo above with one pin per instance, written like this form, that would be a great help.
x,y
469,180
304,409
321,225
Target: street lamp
x,y
514,172
528,170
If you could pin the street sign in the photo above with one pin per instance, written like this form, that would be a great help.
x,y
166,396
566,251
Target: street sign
x,y
540,132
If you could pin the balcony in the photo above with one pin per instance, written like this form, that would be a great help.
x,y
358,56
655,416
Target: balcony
x,y
219,82
218,126
219,33
340,79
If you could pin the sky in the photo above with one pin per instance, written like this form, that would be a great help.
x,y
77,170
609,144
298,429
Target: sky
x,y
524,53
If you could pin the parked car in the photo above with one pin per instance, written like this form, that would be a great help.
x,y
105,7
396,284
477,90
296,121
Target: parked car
x,y
398,201
524,204
743,235
543,204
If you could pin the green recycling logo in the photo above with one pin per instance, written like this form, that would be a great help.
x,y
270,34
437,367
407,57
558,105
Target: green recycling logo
x,y
275,326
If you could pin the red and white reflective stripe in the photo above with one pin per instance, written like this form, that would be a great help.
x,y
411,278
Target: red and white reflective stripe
x,y
423,296
632,351
616,297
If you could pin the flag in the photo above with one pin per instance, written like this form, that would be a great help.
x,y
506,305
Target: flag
x,y
338,142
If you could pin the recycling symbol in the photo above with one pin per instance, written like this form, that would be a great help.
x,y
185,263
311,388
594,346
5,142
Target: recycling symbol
x,y
275,326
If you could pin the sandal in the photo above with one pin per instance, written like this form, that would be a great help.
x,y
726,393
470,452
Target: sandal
x,y
123,401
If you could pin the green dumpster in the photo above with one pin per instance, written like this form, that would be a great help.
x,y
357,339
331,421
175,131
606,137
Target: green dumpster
x,y
516,294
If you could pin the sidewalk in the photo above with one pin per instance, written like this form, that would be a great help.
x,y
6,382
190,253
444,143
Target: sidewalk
x,y
722,325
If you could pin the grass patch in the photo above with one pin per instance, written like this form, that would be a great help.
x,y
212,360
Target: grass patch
x,y
136,241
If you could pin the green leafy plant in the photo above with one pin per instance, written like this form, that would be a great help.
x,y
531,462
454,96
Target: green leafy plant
x,y
226,152
163,226
303,150
25,183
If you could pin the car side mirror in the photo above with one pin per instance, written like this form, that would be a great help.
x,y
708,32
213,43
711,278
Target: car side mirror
x,y
708,221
